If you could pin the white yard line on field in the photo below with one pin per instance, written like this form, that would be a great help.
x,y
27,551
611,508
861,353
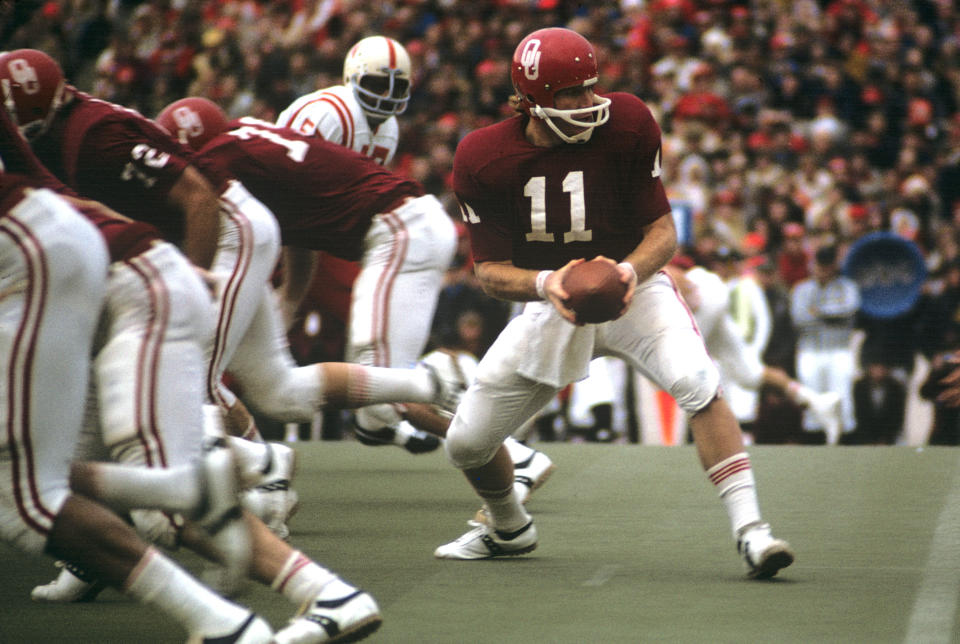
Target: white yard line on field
x,y
603,575
933,614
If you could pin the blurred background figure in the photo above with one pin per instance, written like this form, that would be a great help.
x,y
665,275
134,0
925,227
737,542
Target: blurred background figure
x,y
823,308
879,403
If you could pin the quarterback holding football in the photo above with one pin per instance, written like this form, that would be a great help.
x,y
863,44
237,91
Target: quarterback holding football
x,y
576,175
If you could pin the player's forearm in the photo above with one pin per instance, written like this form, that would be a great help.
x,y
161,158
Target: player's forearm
x,y
658,246
505,281
198,201
298,267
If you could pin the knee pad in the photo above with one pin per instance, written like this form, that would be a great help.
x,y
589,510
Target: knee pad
x,y
696,390
468,449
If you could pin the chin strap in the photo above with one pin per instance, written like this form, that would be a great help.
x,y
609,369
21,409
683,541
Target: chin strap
x,y
599,113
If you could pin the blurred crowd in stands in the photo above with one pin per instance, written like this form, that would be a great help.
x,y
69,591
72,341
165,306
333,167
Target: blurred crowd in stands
x,y
787,126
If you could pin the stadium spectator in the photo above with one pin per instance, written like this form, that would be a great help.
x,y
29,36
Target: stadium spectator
x,y
823,308
793,261
886,68
942,387
879,402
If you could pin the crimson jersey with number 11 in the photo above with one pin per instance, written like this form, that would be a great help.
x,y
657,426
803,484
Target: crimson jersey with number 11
x,y
542,207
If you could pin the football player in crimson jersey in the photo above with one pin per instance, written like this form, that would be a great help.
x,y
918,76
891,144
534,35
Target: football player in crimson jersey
x,y
330,199
144,412
577,175
361,114
115,155
59,261
150,416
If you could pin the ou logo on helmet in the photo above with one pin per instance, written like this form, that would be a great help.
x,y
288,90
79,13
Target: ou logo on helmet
x,y
188,122
530,59
24,75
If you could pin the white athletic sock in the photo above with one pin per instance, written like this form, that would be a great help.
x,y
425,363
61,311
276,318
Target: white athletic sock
x,y
518,451
301,580
382,385
506,511
160,583
128,487
733,478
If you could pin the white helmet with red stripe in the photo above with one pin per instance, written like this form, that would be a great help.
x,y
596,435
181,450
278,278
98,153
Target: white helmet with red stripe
x,y
378,70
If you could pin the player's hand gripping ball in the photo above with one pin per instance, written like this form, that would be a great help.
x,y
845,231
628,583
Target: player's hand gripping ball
x,y
595,291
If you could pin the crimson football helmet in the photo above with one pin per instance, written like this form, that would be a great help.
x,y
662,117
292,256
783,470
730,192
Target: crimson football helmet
x,y
549,60
33,89
377,69
193,121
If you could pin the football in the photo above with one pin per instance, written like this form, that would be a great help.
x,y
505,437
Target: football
x,y
595,291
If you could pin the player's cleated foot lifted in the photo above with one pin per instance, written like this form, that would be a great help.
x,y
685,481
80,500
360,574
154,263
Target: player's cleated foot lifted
x,y
273,500
219,514
448,385
346,619
71,585
531,474
485,542
413,440
763,554
253,630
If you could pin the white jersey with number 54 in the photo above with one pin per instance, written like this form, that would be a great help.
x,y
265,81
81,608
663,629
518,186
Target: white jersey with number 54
x,y
335,115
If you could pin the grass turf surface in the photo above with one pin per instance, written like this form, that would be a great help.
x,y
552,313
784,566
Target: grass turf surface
x,y
634,547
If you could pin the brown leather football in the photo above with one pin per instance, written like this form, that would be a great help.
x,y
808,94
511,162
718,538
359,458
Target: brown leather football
x,y
595,291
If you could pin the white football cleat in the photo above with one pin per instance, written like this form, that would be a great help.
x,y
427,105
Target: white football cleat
x,y
71,585
485,542
405,435
763,554
826,408
449,377
346,619
253,630
531,474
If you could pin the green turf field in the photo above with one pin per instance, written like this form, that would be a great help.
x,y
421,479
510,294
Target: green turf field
x,y
634,547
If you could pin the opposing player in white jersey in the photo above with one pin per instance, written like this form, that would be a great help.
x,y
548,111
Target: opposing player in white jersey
x,y
708,297
361,114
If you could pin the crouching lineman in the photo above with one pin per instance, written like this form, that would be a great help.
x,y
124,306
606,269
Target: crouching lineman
x,y
58,263
152,341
